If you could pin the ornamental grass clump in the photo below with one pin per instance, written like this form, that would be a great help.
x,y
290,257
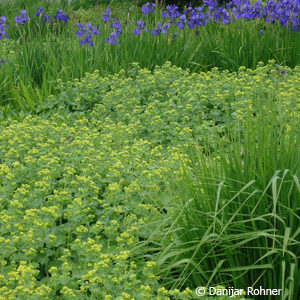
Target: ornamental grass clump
x,y
234,219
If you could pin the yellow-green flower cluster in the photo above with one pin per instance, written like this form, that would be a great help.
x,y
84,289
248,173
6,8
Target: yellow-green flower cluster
x,y
83,189
171,106
74,200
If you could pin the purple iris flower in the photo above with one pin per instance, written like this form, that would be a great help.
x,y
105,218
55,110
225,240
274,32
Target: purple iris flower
x,y
90,28
172,12
2,61
160,29
269,11
117,27
140,26
246,10
45,19
112,39
94,31
237,12
190,9
86,31
271,17
216,14
80,26
225,16
2,20
228,5
39,11
3,27
61,16
106,16
181,22
87,40
79,33
148,7
284,18
210,4
198,18
22,19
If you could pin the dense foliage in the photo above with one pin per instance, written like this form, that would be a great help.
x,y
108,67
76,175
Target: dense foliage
x,y
74,202
47,43
84,185
149,150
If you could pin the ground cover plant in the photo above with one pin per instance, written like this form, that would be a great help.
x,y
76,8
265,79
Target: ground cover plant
x,y
149,151
42,37
87,182
66,232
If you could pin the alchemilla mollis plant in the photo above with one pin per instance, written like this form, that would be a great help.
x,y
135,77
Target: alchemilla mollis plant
x,y
85,183
74,204
149,151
